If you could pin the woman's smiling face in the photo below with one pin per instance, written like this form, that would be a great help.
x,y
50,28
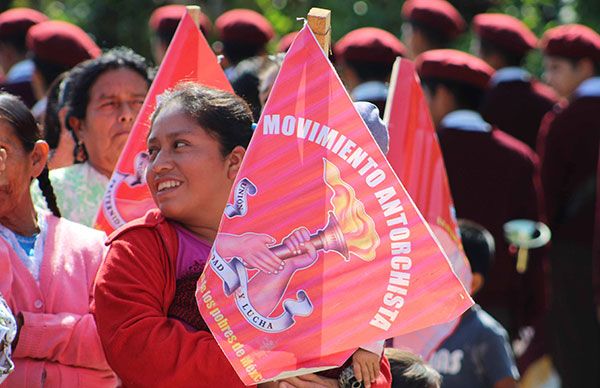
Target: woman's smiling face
x,y
188,176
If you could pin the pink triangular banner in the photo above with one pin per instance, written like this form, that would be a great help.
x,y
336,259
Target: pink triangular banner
x,y
315,190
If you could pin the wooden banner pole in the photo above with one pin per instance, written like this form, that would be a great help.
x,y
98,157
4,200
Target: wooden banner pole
x,y
194,12
319,21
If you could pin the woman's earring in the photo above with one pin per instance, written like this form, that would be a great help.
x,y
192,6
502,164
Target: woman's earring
x,y
79,152
3,156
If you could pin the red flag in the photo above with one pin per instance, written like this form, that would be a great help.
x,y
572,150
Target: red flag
x,y
416,157
315,190
188,58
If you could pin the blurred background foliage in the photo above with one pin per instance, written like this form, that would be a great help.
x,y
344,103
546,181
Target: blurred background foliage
x,y
124,22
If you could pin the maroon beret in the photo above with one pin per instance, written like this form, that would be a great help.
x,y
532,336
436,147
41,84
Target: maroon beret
x,y
504,31
369,44
17,21
454,65
164,20
244,26
572,41
437,15
61,43
286,41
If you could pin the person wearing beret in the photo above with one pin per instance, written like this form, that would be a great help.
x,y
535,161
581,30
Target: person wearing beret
x,y
429,25
568,147
516,102
244,34
18,69
56,47
364,58
163,24
493,177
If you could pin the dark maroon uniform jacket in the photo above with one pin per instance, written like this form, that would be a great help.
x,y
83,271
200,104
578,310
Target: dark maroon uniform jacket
x,y
494,178
518,107
568,149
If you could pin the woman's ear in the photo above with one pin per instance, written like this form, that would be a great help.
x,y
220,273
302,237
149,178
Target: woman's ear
x,y
74,123
234,160
39,157
62,118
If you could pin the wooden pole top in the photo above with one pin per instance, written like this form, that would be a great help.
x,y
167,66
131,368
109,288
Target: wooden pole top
x,y
319,21
194,12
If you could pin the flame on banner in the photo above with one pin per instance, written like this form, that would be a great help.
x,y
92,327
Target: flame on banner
x,y
357,226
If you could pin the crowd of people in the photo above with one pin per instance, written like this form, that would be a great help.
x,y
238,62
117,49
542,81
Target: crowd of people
x,y
79,308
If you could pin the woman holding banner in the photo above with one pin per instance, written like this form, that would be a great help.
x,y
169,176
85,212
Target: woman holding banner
x,y
47,268
145,304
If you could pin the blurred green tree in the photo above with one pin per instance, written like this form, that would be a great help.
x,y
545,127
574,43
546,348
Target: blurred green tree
x,y
118,22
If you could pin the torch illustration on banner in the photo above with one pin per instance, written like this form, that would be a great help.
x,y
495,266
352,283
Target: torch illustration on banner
x,y
349,231
349,228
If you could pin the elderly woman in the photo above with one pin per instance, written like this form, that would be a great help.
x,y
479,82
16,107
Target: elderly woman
x,y
105,96
47,268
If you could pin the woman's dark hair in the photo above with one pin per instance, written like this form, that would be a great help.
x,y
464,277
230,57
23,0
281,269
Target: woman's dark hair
x,y
53,106
14,111
83,76
223,115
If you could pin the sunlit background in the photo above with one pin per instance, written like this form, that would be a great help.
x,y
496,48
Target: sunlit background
x,y
124,22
